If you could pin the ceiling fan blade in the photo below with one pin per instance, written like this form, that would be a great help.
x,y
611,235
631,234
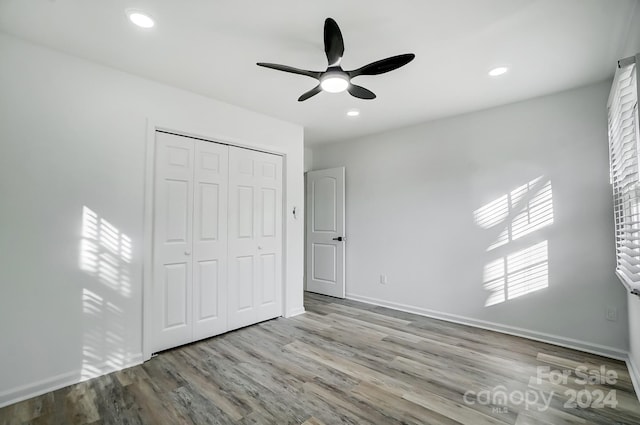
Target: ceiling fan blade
x,y
360,92
333,42
314,91
383,65
285,68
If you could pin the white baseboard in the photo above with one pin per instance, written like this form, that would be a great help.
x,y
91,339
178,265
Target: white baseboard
x,y
601,350
295,312
24,392
634,372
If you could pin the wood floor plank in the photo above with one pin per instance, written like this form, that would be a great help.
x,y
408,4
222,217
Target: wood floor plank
x,y
399,408
344,402
151,405
380,319
342,362
455,411
209,389
313,421
80,404
195,406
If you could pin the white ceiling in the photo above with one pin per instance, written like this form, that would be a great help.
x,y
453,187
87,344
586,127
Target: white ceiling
x,y
211,47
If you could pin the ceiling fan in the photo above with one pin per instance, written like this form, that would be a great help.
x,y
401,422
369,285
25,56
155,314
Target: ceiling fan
x,y
335,79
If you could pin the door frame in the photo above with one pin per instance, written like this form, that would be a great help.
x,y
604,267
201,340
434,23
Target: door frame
x,y
180,129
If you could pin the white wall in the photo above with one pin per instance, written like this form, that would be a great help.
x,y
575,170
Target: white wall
x,y
73,135
411,197
308,159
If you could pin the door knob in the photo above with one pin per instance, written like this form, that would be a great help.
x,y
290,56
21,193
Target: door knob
x,y
187,253
339,239
259,247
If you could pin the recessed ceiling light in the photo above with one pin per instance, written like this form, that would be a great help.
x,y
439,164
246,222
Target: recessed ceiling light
x,y
498,71
140,19
353,113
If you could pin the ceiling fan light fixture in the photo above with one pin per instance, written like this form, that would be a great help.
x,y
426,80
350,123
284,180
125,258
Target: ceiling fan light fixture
x,y
334,82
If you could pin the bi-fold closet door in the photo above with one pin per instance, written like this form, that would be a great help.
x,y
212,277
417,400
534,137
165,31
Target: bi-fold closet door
x,y
217,260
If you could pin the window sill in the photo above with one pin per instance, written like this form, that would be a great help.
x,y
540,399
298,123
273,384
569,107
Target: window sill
x,y
633,288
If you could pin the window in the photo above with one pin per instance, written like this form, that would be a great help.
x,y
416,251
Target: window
x,y
623,157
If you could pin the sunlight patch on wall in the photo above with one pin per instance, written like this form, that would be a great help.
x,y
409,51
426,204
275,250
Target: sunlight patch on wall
x,y
517,274
522,211
102,340
105,255
513,216
105,252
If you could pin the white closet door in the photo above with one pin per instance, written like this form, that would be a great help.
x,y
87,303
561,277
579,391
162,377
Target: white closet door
x,y
210,239
173,229
255,237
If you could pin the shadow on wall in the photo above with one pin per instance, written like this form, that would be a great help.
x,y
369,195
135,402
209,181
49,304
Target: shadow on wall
x,y
105,255
517,263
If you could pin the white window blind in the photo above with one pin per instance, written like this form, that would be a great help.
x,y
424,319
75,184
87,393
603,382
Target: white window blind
x,y
625,178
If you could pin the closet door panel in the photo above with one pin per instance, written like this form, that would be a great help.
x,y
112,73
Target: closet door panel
x,y
207,290
255,239
268,280
173,228
242,247
175,287
211,181
243,283
270,235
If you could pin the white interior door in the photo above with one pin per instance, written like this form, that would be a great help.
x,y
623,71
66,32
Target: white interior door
x,y
255,237
173,229
326,232
211,177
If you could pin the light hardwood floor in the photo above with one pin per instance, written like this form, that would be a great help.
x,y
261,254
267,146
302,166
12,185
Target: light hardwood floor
x,y
345,362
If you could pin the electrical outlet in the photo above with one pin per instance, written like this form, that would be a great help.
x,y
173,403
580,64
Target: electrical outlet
x,y
612,314
383,279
